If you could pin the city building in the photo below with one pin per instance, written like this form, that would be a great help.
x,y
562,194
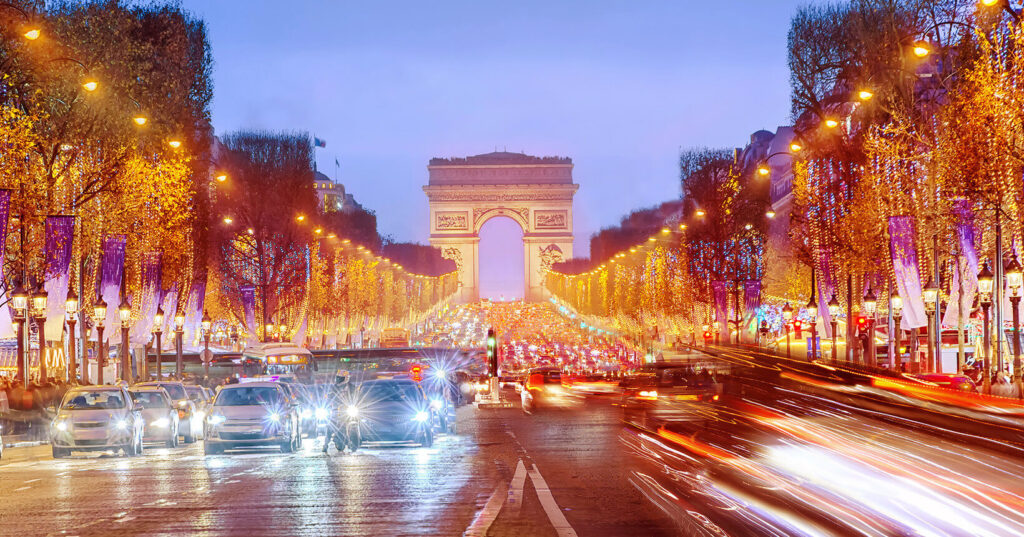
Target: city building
x,y
331,196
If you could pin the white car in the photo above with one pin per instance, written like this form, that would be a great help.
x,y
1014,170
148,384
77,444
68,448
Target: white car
x,y
252,414
158,414
97,418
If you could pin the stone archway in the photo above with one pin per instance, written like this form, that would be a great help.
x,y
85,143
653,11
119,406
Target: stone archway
x,y
536,192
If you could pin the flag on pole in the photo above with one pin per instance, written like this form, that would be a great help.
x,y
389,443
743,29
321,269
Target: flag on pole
x,y
336,163
318,142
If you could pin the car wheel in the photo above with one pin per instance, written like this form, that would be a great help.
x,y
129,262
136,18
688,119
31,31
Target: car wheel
x,y
139,448
288,445
451,426
188,438
211,449
126,449
355,440
428,438
60,453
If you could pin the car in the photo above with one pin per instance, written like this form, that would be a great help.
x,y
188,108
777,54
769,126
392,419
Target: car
x,y
97,418
440,394
252,414
190,429
667,393
199,398
950,380
543,387
305,400
389,410
159,416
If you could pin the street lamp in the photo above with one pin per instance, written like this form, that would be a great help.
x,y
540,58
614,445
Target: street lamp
x,y
787,315
179,330
812,311
19,300
158,330
985,283
1014,274
39,308
930,294
896,306
267,330
124,311
207,323
70,309
870,305
99,314
833,311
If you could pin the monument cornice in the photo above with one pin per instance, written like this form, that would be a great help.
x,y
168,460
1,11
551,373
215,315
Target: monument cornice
x,y
500,193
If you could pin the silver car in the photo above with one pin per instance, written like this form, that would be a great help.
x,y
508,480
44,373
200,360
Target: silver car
x,y
97,418
252,414
158,414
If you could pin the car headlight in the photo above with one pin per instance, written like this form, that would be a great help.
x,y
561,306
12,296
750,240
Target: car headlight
x,y
162,423
421,416
275,417
121,425
436,404
306,413
183,404
352,411
61,425
322,413
215,419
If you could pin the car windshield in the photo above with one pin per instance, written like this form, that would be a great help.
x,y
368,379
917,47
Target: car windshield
x,y
150,399
106,399
390,391
249,396
176,391
195,394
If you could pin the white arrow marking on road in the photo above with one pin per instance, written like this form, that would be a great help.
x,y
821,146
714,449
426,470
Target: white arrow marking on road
x,y
515,493
550,507
490,512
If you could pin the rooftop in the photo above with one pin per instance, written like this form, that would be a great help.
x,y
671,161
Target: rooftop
x,y
499,158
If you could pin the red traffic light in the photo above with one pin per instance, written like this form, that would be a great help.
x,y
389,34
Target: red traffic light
x,y
707,335
862,322
417,373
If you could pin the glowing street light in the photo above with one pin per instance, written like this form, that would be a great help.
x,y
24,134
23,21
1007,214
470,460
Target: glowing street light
x,y
831,123
300,218
174,144
700,212
140,120
90,85
32,34
763,169
228,220
221,177
921,50
795,147
770,213
865,95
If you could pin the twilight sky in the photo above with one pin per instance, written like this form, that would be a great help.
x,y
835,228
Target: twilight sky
x,y
618,86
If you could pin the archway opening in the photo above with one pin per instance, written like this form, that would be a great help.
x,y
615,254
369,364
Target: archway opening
x,y
502,273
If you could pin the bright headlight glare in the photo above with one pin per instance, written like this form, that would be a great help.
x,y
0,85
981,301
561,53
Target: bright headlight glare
x,y
162,423
275,417
421,416
436,403
322,413
183,404
121,424
306,413
61,425
216,419
352,411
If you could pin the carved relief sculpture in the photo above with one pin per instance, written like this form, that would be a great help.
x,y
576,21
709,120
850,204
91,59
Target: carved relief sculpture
x,y
550,219
549,255
452,220
453,253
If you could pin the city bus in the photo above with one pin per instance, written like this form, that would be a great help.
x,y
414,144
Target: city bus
x,y
279,359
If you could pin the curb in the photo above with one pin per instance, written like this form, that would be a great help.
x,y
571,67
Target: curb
x,y
28,443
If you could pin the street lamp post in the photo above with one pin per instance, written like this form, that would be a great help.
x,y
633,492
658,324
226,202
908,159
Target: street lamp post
x,y
896,306
812,311
71,309
207,323
1014,274
39,307
158,330
870,305
19,300
833,311
124,311
787,316
99,313
179,331
931,298
985,282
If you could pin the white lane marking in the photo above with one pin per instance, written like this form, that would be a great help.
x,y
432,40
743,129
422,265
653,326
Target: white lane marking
x,y
21,489
33,480
555,515
486,516
515,491
125,519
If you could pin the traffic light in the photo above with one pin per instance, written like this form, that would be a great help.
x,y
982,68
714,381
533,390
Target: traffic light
x,y
862,326
707,336
417,373
492,353
797,326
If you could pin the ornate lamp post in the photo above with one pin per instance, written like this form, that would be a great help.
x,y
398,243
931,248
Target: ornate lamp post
x,y
282,330
19,300
896,306
833,311
124,311
207,323
985,282
812,311
1014,274
931,298
71,309
787,316
158,330
179,331
870,305
99,313
39,308
268,331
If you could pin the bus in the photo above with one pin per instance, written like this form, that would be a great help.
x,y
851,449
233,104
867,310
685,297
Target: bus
x,y
394,338
279,359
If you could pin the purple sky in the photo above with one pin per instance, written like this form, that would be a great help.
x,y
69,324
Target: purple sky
x,y
618,86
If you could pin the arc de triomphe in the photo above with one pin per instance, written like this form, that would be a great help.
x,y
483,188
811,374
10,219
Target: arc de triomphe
x,y
536,192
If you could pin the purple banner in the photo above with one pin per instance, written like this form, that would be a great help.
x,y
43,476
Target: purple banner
x,y
751,300
826,287
248,295
965,266
904,266
194,308
720,294
60,232
6,326
169,303
149,298
111,273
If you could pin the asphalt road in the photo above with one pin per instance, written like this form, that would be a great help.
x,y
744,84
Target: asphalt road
x,y
572,480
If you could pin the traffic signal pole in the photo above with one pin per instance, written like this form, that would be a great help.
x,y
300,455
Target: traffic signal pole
x,y
492,365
